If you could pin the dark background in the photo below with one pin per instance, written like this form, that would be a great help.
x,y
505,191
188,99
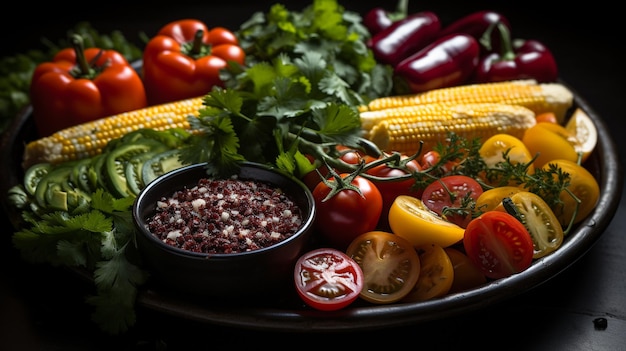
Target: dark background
x,y
42,308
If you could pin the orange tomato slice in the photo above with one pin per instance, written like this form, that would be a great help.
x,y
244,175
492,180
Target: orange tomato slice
x,y
466,275
389,263
436,274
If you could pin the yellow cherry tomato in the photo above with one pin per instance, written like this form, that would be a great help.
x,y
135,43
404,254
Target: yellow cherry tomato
x,y
550,141
583,185
412,220
466,275
494,149
491,198
436,274
542,225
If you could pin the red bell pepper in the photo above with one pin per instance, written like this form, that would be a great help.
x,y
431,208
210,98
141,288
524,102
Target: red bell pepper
x,y
377,19
81,85
405,37
448,61
521,59
185,58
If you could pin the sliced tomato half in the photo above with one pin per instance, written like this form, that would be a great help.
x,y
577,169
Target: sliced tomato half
x,y
498,244
327,279
390,265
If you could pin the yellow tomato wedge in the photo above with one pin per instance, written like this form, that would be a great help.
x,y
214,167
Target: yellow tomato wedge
x,y
491,198
436,274
581,125
583,185
540,221
412,220
466,274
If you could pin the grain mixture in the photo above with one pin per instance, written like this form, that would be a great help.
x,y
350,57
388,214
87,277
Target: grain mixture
x,y
225,216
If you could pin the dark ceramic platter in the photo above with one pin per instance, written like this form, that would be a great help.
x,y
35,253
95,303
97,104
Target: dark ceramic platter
x,y
287,313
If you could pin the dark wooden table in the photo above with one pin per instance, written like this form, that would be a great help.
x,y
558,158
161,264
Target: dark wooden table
x,y
41,308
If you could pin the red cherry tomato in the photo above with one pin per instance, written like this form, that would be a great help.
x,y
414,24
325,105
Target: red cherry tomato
x,y
327,279
347,214
432,159
452,192
392,189
498,244
352,156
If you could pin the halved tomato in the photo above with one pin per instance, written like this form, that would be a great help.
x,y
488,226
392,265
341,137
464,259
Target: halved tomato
x,y
498,244
436,274
390,266
466,274
327,279
453,198
412,220
540,222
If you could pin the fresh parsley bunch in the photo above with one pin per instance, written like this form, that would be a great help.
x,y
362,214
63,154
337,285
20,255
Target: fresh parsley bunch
x,y
305,74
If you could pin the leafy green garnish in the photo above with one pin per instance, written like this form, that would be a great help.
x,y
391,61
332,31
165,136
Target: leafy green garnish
x,y
305,73
94,238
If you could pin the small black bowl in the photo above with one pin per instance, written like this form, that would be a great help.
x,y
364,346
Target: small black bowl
x,y
264,271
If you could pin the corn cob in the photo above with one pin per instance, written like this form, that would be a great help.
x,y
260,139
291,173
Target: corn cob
x,y
431,124
548,97
88,139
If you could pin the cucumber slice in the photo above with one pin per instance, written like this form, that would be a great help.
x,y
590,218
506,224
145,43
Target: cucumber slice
x,y
133,170
33,176
49,192
80,175
115,164
161,164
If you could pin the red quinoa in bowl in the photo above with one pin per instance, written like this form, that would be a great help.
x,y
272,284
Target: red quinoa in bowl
x,y
225,216
239,265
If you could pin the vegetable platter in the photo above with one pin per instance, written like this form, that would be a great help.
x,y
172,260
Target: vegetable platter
x,y
292,315
603,164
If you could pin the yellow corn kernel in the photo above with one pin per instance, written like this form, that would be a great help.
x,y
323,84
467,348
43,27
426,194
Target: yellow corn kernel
x,y
431,124
88,139
547,97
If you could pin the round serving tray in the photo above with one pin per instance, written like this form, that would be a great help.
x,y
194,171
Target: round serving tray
x,y
290,314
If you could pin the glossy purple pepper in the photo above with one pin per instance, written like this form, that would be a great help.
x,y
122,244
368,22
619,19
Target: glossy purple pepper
x,y
405,37
477,24
448,61
521,59
377,19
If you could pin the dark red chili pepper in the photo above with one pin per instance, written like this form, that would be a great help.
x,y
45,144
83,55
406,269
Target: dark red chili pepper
x,y
476,24
378,18
448,61
521,59
405,37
